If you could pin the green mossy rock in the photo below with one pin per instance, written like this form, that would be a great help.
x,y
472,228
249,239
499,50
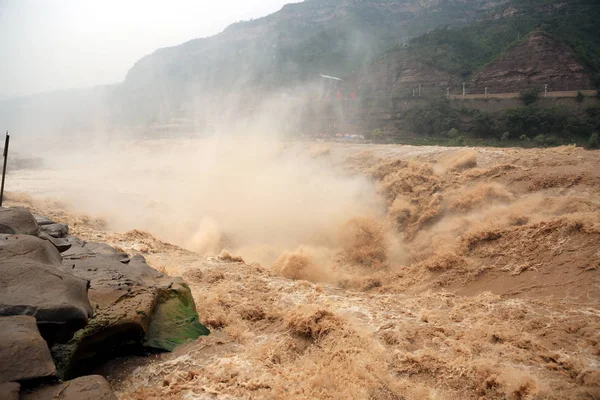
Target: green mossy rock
x,y
175,320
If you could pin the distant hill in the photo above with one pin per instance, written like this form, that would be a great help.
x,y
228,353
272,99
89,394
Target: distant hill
x,y
42,115
534,62
284,49
381,48
517,45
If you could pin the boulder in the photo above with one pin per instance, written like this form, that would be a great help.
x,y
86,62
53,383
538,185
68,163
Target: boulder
x,y
9,391
33,282
135,306
55,230
93,387
175,320
24,354
17,220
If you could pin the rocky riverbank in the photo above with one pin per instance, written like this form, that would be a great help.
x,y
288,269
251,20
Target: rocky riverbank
x,y
67,305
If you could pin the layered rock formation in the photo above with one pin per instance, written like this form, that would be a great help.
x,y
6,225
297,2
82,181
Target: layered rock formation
x,y
536,61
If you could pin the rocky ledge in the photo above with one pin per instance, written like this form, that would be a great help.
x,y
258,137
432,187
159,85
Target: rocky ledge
x,y
67,305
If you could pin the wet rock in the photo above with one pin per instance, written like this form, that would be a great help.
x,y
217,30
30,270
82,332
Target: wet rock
x,y
175,320
32,283
17,220
24,354
135,306
9,391
93,387
55,230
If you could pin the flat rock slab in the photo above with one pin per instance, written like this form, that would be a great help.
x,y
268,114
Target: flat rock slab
x,y
24,354
32,283
93,387
41,220
17,220
9,391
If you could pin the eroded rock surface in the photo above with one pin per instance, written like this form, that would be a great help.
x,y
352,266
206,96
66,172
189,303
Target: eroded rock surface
x,y
24,354
9,391
17,220
31,283
92,387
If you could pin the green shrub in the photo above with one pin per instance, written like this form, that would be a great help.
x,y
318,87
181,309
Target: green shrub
x,y
593,116
529,96
375,134
453,133
505,136
540,139
484,125
553,140
594,141
577,127
579,97
434,118
523,138
532,121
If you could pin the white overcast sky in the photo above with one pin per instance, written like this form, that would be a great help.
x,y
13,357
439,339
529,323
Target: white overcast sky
x,y
60,44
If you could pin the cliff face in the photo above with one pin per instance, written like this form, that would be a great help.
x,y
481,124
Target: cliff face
x,y
397,75
204,82
290,47
316,36
536,61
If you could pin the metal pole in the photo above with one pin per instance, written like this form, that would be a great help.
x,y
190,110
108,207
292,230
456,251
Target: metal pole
x,y
4,167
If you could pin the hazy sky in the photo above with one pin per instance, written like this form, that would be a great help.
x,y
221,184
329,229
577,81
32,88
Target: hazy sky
x,y
60,44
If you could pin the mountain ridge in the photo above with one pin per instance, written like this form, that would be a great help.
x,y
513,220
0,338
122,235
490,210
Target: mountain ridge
x,y
382,48
287,48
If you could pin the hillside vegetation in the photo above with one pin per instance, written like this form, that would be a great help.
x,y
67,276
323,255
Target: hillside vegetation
x,y
462,51
519,46
527,126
